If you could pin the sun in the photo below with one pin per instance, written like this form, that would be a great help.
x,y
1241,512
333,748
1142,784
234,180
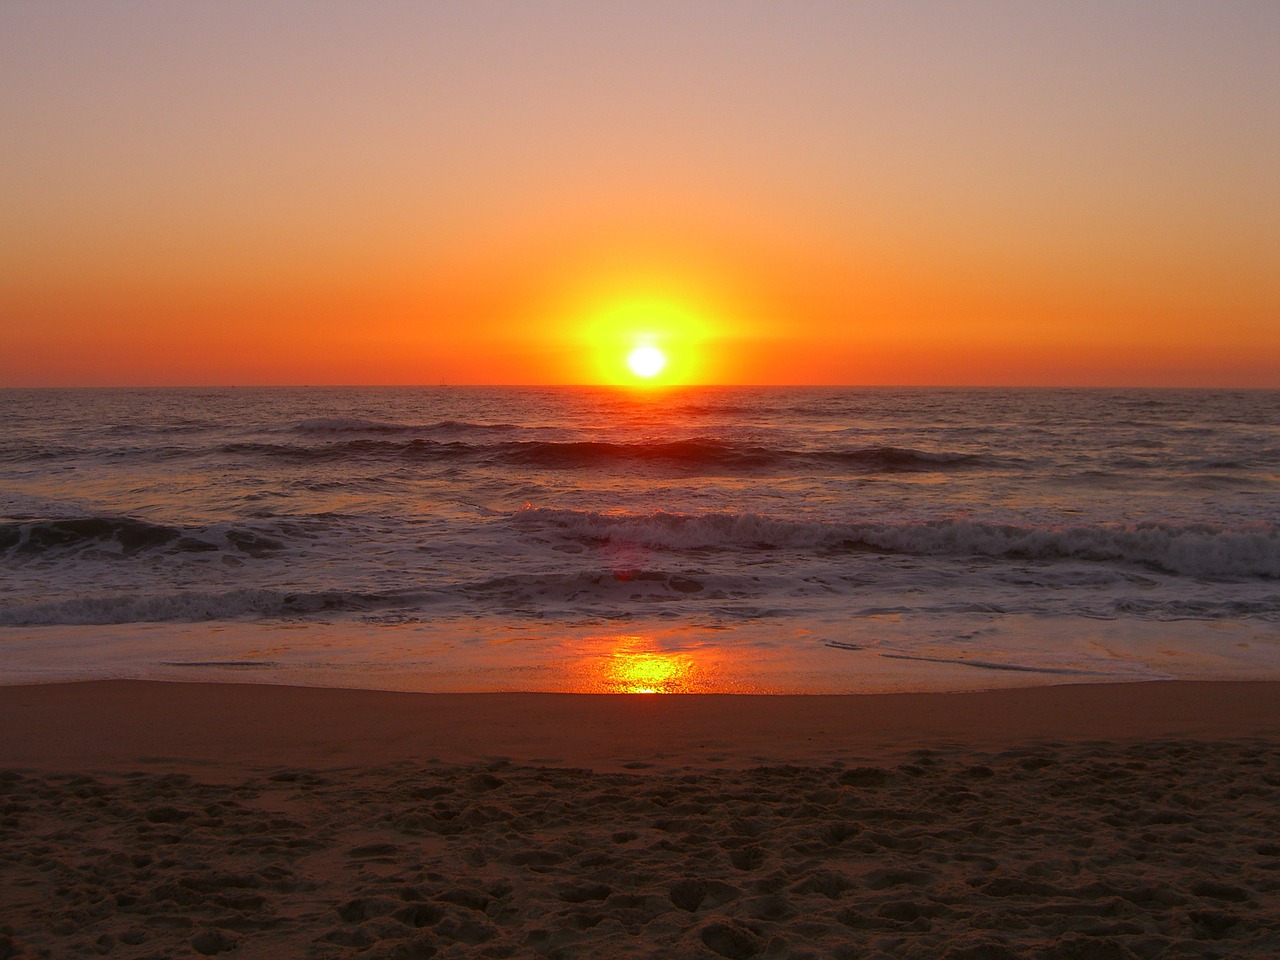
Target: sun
x,y
647,341
646,361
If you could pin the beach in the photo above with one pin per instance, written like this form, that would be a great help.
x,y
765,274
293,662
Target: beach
x,y
670,481
144,819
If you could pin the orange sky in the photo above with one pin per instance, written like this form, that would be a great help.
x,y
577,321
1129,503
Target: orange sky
x,y
811,192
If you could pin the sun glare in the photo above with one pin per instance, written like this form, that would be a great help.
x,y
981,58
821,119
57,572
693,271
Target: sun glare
x,y
647,341
646,361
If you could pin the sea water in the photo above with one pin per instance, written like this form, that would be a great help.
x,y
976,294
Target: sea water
x,y
692,539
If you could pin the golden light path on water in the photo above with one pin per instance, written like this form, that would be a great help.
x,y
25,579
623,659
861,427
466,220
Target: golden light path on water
x,y
632,669
632,663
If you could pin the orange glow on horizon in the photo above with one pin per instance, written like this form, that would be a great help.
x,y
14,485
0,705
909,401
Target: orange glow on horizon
x,y
468,199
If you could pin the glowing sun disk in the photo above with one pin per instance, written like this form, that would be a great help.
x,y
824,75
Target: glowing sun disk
x,y
646,361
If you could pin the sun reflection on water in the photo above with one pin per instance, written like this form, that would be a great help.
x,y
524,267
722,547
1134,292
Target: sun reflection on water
x,y
633,663
628,671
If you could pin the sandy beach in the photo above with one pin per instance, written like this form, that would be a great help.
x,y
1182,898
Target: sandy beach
x,y
144,819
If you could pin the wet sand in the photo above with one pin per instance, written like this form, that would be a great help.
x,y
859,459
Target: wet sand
x,y
154,819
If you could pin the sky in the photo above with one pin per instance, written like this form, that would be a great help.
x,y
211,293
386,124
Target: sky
x,y
503,192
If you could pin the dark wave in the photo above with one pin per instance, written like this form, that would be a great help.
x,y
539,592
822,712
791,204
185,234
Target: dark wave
x,y
125,536
722,455
1198,550
42,536
697,455
32,453
363,450
893,459
330,426
194,606
706,454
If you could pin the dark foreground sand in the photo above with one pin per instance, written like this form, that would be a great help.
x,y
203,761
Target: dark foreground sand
x,y
174,820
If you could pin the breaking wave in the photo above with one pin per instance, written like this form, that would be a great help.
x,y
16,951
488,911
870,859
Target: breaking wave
x,y
126,536
195,606
1197,550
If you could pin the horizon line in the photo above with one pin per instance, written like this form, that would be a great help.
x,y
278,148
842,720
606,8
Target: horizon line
x,y
629,387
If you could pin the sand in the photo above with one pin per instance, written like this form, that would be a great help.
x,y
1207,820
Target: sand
x,y
172,820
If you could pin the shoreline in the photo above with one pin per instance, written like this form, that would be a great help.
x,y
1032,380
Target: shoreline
x,y
766,658
115,724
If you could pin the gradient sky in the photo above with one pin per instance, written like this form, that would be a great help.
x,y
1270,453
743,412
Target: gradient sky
x,y
514,192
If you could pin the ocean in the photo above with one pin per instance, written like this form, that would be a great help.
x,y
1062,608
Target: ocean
x,y
797,540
